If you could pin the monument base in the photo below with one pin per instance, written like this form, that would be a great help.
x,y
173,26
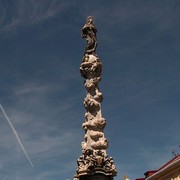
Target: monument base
x,y
95,165
96,177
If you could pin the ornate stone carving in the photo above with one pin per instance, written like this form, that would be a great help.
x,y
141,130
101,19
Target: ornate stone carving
x,y
94,159
90,163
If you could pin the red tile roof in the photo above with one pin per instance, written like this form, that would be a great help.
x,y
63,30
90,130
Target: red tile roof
x,y
148,174
170,162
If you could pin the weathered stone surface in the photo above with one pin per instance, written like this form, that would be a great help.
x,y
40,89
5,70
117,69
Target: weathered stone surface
x,y
94,162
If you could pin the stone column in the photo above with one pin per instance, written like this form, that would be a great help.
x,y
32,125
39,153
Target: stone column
x,y
94,164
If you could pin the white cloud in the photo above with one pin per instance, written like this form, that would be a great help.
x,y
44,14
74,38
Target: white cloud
x,y
21,12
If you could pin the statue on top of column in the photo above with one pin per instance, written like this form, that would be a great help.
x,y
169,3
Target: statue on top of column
x,y
89,33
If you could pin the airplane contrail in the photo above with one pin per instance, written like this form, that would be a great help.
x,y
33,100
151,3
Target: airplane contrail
x,y
16,135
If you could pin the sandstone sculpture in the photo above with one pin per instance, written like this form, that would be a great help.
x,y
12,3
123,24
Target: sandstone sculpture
x,y
94,160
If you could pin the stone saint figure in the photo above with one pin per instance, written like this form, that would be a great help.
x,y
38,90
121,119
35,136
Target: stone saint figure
x,y
89,33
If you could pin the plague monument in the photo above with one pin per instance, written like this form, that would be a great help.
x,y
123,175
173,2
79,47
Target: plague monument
x,y
94,164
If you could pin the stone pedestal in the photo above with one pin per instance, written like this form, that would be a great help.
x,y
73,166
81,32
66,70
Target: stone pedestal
x,y
96,177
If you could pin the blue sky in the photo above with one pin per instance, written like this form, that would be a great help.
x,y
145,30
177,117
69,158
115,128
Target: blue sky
x,y
42,91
